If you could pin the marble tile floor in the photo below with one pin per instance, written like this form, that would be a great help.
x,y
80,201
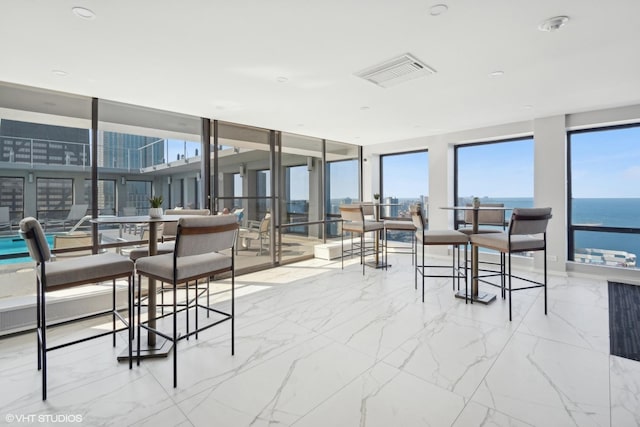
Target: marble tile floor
x,y
321,346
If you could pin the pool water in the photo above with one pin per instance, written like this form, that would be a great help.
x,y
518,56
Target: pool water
x,y
15,245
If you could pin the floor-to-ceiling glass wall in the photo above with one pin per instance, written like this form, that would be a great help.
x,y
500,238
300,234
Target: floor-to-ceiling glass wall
x,y
244,189
143,153
45,159
342,182
273,182
301,203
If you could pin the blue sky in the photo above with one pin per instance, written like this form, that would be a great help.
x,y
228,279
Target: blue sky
x,y
405,175
606,163
496,170
177,147
343,179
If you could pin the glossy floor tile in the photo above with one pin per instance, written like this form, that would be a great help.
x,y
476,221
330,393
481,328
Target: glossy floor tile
x,y
317,345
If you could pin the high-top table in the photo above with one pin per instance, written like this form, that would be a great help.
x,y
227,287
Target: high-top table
x,y
476,295
376,215
155,347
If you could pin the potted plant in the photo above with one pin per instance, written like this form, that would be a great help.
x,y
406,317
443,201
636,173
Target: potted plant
x,y
156,207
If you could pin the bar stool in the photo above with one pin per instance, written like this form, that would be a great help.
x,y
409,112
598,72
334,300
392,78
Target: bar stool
x,y
438,237
354,222
197,255
53,276
398,225
486,217
527,233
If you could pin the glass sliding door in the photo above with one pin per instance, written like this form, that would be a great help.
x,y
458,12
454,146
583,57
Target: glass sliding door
x,y
342,182
302,201
244,189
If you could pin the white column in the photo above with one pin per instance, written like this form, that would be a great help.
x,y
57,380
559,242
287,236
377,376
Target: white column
x,y
550,178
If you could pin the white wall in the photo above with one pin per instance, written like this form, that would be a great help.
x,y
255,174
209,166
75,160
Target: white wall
x,y
550,177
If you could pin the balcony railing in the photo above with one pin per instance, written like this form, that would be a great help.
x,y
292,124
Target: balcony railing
x,y
47,152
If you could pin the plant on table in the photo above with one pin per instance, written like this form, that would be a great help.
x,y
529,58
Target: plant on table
x,y
156,207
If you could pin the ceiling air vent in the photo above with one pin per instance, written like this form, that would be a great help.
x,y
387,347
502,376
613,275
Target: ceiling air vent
x,y
396,70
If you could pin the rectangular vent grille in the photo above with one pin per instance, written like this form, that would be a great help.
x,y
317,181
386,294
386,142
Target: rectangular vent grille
x,y
396,70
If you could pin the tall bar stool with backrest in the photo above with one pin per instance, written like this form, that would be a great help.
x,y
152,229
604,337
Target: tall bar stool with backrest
x,y
527,233
53,276
399,225
170,228
353,217
489,221
197,255
426,237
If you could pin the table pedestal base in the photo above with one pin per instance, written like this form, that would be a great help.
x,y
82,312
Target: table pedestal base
x,y
374,264
160,349
482,297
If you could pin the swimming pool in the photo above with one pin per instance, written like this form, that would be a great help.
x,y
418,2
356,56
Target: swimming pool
x,y
15,245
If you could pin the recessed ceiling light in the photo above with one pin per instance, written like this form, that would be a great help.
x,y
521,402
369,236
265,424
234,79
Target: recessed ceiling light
x,y
364,108
60,73
438,9
219,107
497,73
300,125
527,107
553,24
282,79
83,13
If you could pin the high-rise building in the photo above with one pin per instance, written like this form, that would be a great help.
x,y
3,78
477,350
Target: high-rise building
x,y
392,208
125,151
34,143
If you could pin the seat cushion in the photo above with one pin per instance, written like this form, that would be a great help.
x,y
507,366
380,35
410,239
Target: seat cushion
x,y
500,242
399,225
188,267
356,226
87,269
163,248
442,237
469,231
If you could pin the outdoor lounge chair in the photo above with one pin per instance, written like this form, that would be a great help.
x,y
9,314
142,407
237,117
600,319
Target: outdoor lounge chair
x,y
76,213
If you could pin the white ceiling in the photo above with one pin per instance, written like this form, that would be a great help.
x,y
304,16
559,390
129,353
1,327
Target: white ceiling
x,y
222,58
